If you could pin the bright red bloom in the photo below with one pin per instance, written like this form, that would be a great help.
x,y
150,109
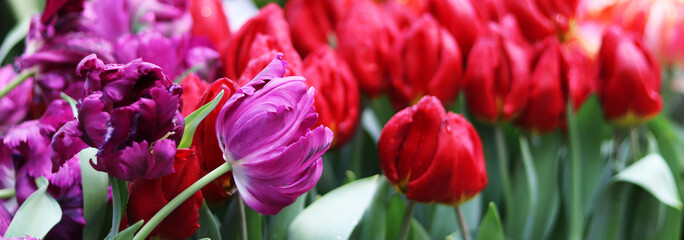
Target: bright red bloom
x,y
461,19
193,89
265,34
365,37
312,22
337,101
209,20
431,155
426,61
536,25
498,73
206,144
629,85
147,197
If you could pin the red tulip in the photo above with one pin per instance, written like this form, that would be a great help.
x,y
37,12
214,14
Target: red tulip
x,y
265,33
193,88
337,98
209,20
461,19
498,73
147,197
365,36
206,143
629,76
312,22
426,61
262,53
431,155
536,25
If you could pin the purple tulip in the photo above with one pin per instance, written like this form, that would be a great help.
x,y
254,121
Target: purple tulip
x,y
14,106
264,131
131,109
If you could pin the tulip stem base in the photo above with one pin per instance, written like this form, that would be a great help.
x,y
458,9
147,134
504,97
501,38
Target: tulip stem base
x,y
18,80
6,193
243,218
634,137
176,201
462,223
503,163
406,222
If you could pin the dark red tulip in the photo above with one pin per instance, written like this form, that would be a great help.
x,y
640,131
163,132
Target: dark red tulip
x,y
209,20
265,33
337,94
498,73
426,61
365,36
193,89
535,25
312,22
206,144
629,76
147,197
431,155
262,53
461,19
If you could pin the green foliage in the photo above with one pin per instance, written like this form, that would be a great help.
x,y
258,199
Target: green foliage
x,y
37,215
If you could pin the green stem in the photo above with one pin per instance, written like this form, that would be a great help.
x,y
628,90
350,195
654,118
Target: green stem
x,y
119,204
634,136
406,222
243,218
17,81
462,222
6,193
576,211
175,202
502,155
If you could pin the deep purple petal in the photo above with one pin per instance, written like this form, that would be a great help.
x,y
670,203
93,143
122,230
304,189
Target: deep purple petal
x,y
57,114
14,106
94,119
65,144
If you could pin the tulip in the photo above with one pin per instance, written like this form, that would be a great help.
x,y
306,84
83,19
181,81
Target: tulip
x,y
265,33
338,108
536,25
15,104
209,20
629,75
427,61
262,53
206,144
312,22
461,19
147,197
264,131
130,109
497,74
368,57
193,89
431,155
5,219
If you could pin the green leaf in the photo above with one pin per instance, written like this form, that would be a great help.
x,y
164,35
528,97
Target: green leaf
x,y
119,200
72,103
669,144
490,228
371,124
417,231
37,215
209,225
544,156
395,214
94,184
335,214
194,119
130,231
254,223
13,37
374,223
280,223
653,174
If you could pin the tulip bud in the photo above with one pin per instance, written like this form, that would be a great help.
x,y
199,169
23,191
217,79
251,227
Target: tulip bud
x,y
209,20
338,107
629,85
193,88
147,197
497,74
431,155
427,61
264,131
368,57
537,26
312,22
206,144
246,45
461,19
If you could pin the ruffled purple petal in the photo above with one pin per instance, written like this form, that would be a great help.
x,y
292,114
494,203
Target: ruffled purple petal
x,y
57,114
93,117
65,144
